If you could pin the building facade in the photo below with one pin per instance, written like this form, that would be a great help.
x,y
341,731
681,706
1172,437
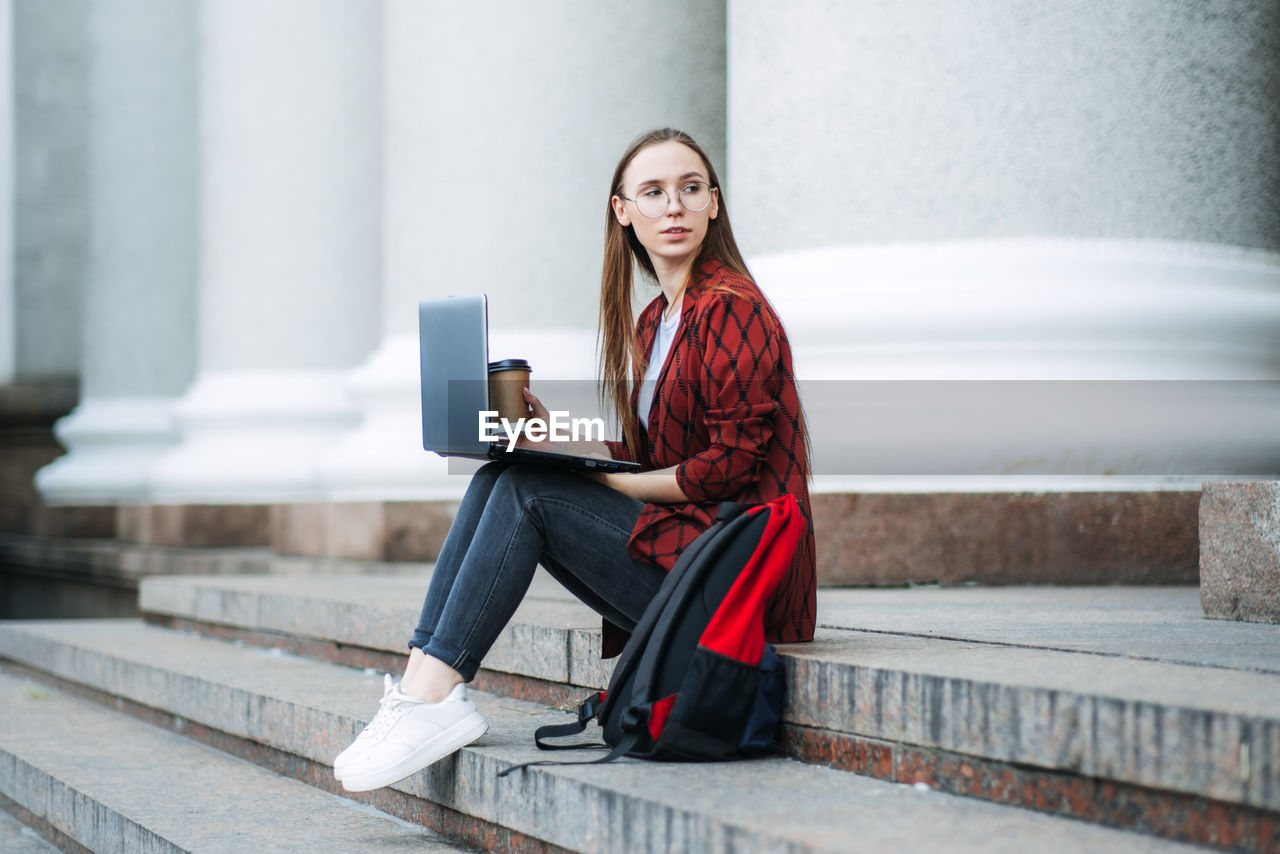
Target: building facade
x,y
224,213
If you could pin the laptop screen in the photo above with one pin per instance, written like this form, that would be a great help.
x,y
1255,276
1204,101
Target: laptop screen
x,y
453,346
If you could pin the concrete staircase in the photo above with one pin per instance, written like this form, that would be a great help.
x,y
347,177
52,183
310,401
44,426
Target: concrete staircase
x,y
976,719
109,782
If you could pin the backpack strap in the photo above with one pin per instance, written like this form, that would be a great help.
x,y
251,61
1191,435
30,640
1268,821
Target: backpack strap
x,y
731,510
618,752
587,712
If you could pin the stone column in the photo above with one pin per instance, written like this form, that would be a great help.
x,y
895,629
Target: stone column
x,y
51,147
139,320
8,320
992,191
10,518
290,275
505,121
383,458
46,207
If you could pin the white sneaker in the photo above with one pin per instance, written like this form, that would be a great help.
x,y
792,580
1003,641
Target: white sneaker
x,y
408,734
363,739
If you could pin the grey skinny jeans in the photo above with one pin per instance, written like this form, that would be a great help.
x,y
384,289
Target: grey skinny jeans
x,y
512,518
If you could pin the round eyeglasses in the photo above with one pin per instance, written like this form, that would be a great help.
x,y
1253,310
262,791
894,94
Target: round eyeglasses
x,y
653,202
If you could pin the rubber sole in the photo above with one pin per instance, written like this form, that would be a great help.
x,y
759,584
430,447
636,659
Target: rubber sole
x,y
340,764
450,741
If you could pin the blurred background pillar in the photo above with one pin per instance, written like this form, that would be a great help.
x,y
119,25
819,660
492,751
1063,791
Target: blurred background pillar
x,y
8,306
46,72
290,269
505,121
997,190
138,326
50,157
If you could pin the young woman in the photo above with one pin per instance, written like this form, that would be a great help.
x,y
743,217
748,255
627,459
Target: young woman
x,y
703,387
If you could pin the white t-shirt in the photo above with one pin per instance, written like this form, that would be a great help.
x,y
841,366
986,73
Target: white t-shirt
x,y
661,347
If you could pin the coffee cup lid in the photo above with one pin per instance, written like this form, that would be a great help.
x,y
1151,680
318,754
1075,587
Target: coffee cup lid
x,y
509,365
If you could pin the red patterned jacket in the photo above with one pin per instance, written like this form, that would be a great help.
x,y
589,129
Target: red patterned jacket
x,y
727,413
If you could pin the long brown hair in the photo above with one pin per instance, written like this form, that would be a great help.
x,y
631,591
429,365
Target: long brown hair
x,y
622,363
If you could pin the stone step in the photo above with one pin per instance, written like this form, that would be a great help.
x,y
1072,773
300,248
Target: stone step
x,y
552,645
96,780
294,714
863,538
17,838
48,577
1127,686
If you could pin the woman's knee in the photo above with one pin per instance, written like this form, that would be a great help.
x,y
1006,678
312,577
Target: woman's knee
x,y
491,470
522,482
516,479
484,479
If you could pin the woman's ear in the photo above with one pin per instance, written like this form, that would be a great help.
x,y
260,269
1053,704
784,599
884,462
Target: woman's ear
x,y
620,211
715,202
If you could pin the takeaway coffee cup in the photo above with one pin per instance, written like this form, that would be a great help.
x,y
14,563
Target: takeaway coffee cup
x,y
506,379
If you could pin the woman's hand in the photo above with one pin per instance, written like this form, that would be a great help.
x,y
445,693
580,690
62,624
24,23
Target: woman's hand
x,y
651,487
536,410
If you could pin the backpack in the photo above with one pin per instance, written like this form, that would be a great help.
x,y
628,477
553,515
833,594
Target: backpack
x,y
696,680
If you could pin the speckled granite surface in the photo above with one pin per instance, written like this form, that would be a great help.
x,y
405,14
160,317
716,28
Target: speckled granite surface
x,y
1240,551
308,708
112,783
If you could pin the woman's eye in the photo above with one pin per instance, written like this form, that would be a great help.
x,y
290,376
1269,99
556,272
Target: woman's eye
x,y
651,193
690,189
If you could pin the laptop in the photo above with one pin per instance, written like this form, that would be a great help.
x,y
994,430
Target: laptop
x,y
453,341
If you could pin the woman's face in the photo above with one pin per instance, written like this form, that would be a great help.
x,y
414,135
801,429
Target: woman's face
x,y
676,235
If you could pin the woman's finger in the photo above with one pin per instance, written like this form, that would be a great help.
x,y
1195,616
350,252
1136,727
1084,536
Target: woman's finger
x,y
535,405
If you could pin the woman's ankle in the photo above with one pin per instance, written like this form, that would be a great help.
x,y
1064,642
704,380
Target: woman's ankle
x,y
411,667
430,680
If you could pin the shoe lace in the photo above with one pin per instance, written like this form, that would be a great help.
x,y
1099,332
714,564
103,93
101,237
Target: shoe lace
x,y
390,709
